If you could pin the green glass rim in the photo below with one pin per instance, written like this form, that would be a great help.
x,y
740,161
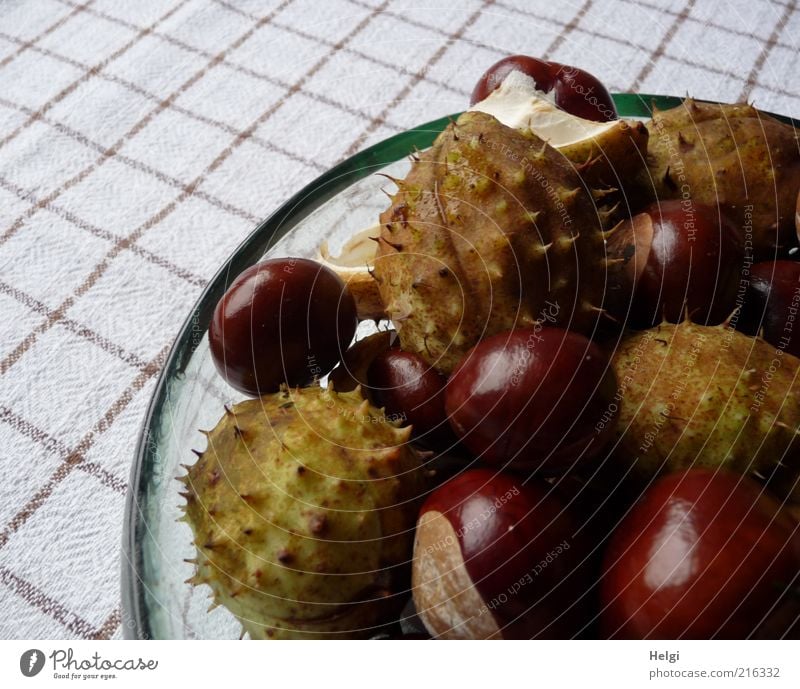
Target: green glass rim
x,y
136,621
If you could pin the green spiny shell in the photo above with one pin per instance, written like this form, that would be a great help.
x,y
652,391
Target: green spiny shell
x,y
491,229
734,155
692,395
611,158
303,508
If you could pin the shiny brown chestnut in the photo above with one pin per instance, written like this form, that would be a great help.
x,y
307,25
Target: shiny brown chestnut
x,y
673,258
284,320
407,387
772,302
533,398
574,90
703,554
496,558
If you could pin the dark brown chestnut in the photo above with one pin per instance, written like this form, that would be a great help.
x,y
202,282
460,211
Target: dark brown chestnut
x,y
772,302
672,259
407,387
497,558
797,218
703,554
538,398
574,89
284,320
351,371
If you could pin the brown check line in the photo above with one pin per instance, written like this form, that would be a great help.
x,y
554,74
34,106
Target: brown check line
x,y
81,138
105,477
569,27
25,45
227,128
92,71
725,29
380,118
566,27
50,443
113,149
125,242
88,227
77,455
349,50
369,58
131,133
112,78
435,29
593,33
241,69
261,76
656,55
58,314
55,446
26,428
557,41
74,459
107,629
682,61
49,606
751,80
622,41
39,599
73,326
599,34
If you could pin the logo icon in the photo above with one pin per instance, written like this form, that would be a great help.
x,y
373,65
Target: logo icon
x,y
31,662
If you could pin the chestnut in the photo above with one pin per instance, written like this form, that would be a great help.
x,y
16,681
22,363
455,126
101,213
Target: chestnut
x,y
351,371
574,90
703,554
284,320
772,302
407,387
533,398
672,259
797,218
497,558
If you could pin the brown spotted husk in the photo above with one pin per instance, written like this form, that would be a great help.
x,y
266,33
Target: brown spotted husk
x,y
732,155
698,396
303,508
491,228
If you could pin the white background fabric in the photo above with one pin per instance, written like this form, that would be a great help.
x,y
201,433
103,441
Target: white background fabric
x,y
141,141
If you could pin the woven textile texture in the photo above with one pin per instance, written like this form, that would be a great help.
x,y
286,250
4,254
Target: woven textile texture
x,y
141,141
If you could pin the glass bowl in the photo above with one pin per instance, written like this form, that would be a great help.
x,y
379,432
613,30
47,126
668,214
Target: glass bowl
x,y
189,395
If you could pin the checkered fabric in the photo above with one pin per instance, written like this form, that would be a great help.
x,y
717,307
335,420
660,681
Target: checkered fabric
x,y
141,141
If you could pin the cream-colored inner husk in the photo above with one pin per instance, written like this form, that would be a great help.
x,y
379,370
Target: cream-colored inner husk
x,y
519,104
358,252
445,596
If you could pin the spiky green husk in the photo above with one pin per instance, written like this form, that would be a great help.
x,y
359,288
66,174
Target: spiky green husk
x,y
697,396
303,508
731,155
489,226
611,159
